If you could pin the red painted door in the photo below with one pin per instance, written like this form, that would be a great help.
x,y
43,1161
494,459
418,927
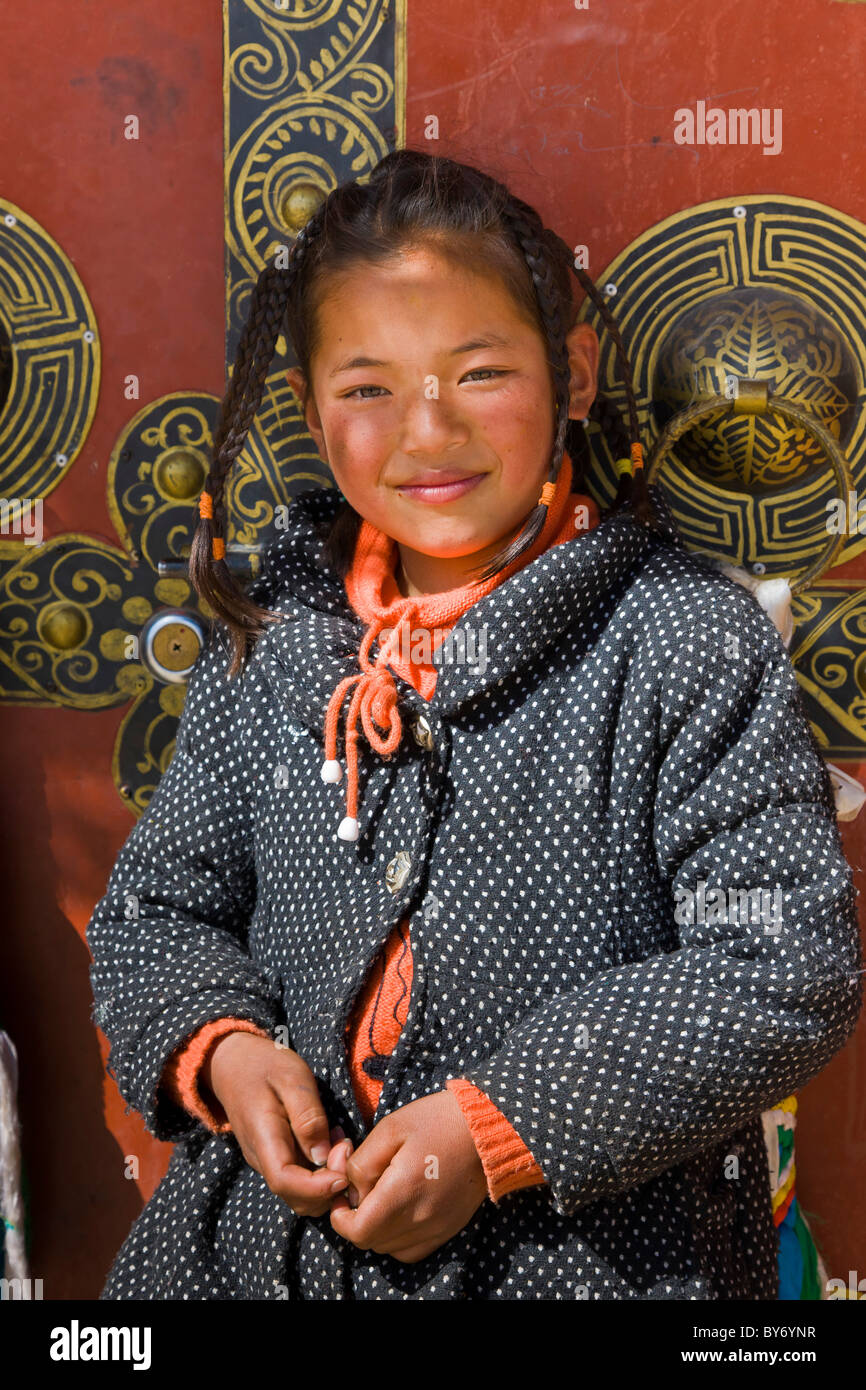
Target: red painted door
x,y
581,110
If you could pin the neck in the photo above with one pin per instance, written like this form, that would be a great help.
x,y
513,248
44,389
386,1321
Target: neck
x,y
417,574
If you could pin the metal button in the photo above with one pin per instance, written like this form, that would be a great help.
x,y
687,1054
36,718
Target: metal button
x,y
422,733
397,871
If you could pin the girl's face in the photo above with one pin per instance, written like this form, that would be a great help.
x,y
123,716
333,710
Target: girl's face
x,y
404,392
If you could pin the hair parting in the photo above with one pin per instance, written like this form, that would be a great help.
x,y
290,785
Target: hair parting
x,y
410,195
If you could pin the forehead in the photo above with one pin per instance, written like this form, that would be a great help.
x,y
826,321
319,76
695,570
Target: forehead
x,y
422,284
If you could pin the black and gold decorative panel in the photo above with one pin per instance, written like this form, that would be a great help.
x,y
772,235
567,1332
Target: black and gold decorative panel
x,y
72,609
829,653
49,358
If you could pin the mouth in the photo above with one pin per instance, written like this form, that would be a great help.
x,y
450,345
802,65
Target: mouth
x,y
440,487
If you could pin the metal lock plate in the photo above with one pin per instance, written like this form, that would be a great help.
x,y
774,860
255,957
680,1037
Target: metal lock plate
x,y
170,643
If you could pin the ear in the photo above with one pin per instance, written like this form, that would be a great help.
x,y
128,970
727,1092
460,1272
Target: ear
x,y
297,381
295,378
583,354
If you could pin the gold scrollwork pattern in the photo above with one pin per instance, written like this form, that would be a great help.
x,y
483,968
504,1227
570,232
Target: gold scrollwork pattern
x,y
49,345
156,473
829,654
71,610
59,610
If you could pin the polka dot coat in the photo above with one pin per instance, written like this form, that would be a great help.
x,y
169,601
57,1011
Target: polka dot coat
x,y
573,843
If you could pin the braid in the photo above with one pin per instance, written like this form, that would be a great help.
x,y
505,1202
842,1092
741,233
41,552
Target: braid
x,y
209,573
606,415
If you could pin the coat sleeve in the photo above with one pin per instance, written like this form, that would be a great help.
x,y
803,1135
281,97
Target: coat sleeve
x,y
652,1061
169,937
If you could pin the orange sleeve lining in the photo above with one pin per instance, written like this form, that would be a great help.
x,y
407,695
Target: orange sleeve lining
x,y
508,1163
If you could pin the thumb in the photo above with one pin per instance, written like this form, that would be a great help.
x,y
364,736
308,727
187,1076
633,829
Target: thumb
x,y
366,1165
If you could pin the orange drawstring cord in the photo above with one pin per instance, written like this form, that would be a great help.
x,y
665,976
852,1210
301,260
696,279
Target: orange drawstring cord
x,y
375,699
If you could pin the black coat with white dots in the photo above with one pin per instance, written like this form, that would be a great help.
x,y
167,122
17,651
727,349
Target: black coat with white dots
x,y
634,750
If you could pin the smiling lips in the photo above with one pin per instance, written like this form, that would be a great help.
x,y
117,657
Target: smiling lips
x,y
440,487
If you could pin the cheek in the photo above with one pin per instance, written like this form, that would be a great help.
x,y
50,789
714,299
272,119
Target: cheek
x,y
521,408
522,428
354,444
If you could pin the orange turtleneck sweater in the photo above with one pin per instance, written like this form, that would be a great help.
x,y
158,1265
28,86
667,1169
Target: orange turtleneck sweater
x,y
381,1008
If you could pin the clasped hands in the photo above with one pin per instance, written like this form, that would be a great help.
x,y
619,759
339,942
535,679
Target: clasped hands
x,y
415,1180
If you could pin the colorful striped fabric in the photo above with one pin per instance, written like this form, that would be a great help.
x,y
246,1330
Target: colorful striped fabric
x,y
801,1271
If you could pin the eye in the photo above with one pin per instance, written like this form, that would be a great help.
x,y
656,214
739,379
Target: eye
x,y
350,394
492,371
356,393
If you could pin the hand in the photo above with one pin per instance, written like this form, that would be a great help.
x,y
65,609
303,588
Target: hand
x,y
272,1102
403,1208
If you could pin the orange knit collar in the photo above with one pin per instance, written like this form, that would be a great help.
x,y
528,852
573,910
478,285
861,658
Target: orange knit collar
x,y
372,590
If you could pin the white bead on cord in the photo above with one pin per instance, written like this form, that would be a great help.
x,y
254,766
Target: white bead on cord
x,y
332,772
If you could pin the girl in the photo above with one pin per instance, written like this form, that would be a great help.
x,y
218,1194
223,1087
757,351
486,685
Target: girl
x,y
456,990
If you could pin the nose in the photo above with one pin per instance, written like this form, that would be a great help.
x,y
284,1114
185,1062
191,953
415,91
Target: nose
x,y
432,424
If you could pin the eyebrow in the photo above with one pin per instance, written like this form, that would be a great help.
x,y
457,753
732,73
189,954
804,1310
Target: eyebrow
x,y
484,340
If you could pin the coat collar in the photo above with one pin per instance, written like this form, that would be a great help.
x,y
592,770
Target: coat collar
x,y
315,646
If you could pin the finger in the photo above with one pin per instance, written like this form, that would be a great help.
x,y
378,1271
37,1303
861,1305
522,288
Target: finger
x,y
380,1218
276,1143
338,1156
337,1164
366,1165
277,1153
340,1200
307,1193
299,1093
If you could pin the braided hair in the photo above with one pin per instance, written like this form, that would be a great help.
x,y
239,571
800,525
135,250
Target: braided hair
x,y
410,195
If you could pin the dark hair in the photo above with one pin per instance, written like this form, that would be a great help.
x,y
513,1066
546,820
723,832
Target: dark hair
x,y
410,195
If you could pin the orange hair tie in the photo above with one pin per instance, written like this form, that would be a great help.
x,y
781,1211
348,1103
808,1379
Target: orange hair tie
x,y
205,505
547,493
219,548
637,456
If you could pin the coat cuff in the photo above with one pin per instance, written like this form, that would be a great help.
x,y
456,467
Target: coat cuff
x,y
181,1075
508,1163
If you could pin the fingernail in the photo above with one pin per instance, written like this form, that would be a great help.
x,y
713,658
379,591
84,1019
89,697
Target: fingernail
x,y
352,1194
338,1183
319,1154
339,1132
